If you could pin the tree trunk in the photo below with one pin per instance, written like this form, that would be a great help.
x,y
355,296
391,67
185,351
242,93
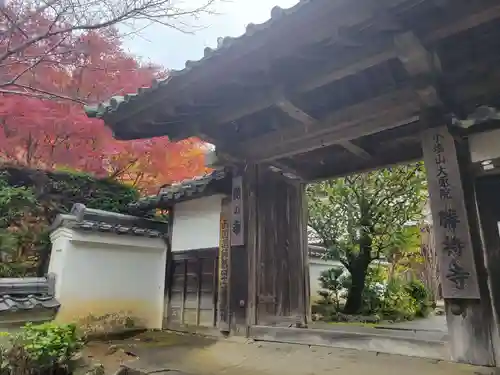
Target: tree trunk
x,y
355,295
360,263
359,269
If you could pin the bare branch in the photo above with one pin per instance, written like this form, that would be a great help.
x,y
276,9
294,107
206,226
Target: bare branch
x,y
50,30
38,93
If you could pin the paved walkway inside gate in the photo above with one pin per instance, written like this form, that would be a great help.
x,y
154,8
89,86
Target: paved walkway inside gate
x,y
163,352
432,323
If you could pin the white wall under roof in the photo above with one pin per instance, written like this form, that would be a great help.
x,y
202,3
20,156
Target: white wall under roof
x,y
485,146
196,224
101,273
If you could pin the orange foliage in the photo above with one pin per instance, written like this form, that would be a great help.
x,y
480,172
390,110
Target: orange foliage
x,y
52,134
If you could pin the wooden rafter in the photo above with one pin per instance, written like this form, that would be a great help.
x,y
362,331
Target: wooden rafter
x,y
308,121
384,112
469,22
354,64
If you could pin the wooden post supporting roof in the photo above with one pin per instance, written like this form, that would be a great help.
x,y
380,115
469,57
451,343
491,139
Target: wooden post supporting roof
x,y
458,244
489,209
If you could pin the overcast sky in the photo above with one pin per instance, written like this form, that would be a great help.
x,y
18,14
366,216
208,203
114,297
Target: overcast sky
x,y
171,48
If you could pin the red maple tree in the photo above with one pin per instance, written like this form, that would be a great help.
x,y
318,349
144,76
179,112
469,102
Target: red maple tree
x,y
56,133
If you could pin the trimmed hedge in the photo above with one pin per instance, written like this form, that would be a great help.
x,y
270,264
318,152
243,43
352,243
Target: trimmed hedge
x,y
31,199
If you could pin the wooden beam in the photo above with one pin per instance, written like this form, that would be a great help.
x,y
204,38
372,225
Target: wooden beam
x,y
414,56
351,69
386,121
356,150
421,65
342,68
469,22
307,120
296,113
342,124
377,162
287,171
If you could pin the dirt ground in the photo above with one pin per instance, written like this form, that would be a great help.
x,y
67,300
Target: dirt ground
x,y
161,351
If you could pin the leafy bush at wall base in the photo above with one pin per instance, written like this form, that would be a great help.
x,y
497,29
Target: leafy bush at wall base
x,y
44,349
29,202
421,295
398,304
393,300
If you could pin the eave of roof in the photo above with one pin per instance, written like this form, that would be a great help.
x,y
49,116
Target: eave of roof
x,y
116,103
86,219
187,189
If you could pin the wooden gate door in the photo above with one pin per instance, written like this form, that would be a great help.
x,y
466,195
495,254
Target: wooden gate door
x,y
192,294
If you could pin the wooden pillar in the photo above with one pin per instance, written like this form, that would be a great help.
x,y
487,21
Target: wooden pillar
x,y
276,241
169,269
488,199
459,248
223,306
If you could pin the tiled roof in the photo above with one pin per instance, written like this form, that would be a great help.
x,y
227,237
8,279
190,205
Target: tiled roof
x,y
88,219
30,302
193,188
223,44
31,293
315,251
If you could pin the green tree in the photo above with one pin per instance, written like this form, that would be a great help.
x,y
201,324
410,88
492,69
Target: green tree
x,y
405,251
361,217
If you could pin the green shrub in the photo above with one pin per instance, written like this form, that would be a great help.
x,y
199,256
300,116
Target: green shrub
x,y
398,304
421,295
376,274
45,348
374,291
333,283
373,297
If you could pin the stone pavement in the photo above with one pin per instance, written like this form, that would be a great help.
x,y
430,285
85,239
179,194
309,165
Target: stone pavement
x,y
206,356
433,323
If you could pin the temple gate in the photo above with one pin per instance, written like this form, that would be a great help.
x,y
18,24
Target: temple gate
x,y
328,88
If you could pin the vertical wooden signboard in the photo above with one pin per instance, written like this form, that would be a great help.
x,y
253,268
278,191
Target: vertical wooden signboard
x,y
224,266
237,225
449,216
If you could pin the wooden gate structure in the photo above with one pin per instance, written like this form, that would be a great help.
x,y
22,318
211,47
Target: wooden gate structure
x,y
328,88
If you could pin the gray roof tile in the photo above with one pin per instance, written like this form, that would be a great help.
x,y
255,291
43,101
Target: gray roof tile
x,y
87,219
29,293
17,303
193,188
315,251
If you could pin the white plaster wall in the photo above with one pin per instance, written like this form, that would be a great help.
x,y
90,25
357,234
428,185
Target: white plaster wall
x,y
485,146
60,243
316,266
99,274
196,224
